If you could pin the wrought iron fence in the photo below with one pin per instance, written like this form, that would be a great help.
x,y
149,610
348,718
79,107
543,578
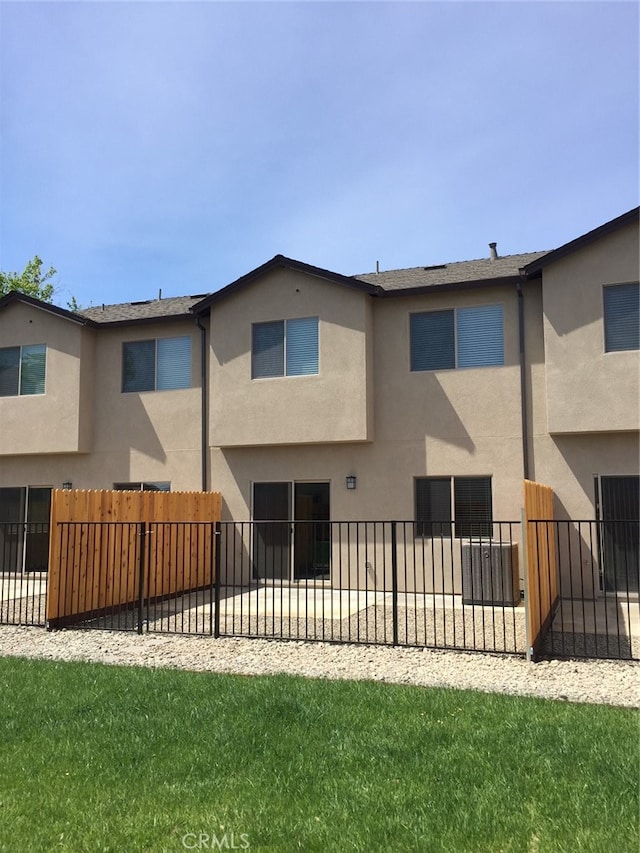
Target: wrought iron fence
x,y
23,572
371,582
595,613
380,582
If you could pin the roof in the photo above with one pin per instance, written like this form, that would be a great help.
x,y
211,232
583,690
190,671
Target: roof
x,y
282,262
628,218
456,274
171,308
18,296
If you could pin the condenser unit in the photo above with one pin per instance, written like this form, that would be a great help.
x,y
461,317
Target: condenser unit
x,y
490,573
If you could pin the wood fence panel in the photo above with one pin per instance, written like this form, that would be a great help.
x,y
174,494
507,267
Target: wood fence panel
x,y
94,567
542,569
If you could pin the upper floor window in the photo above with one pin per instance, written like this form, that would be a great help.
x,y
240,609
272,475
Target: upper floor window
x,y
156,365
621,317
142,487
22,370
284,348
469,507
457,337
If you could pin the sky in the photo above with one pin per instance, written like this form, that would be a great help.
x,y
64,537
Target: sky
x,y
175,146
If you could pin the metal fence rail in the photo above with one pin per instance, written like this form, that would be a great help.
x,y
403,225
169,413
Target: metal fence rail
x,y
371,582
596,612
133,576
23,577
382,582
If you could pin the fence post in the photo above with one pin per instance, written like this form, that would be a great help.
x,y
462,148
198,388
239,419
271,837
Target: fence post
x,y
143,536
216,582
394,580
527,600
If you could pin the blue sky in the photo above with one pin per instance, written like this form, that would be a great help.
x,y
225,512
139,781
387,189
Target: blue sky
x,y
177,146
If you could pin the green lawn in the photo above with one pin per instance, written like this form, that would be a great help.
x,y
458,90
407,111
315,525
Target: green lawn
x,y
97,758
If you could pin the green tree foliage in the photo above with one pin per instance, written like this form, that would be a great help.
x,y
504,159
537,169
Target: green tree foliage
x,y
34,281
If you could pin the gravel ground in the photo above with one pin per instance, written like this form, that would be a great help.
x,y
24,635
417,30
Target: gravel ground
x,y
597,681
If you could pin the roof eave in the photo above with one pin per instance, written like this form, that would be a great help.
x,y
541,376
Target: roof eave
x,y
534,269
63,313
282,262
502,281
142,321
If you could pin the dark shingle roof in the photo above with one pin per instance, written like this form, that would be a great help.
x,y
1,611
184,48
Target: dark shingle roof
x,y
173,307
458,272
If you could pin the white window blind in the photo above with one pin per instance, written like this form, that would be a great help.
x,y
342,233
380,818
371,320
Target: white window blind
x,y
461,337
621,317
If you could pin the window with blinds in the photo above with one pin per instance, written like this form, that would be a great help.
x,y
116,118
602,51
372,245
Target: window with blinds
x,y
621,317
22,370
433,506
284,348
142,487
156,365
473,506
442,503
457,337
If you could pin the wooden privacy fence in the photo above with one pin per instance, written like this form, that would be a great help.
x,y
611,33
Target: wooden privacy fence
x,y
541,560
109,549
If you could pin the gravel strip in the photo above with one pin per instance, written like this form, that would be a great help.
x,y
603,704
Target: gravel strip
x,y
597,681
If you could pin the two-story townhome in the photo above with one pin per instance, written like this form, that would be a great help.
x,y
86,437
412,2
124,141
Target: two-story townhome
x,y
423,394
107,398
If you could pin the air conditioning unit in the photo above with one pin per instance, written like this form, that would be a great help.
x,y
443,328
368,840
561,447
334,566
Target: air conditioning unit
x,y
490,573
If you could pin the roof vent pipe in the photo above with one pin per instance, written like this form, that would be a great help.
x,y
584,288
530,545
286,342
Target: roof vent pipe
x,y
494,251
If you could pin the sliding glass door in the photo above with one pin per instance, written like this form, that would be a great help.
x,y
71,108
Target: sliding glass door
x,y
285,550
24,528
619,510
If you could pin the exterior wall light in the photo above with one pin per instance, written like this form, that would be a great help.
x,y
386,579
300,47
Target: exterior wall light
x,y
67,485
351,481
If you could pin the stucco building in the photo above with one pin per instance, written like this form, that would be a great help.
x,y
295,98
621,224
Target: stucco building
x,y
424,394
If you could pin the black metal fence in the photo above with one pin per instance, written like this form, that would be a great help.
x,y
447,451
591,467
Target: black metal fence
x,y
345,582
371,582
140,576
596,611
23,572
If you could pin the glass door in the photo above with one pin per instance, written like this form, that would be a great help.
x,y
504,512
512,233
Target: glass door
x,y
12,504
272,530
36,557
292,532
312,541
619,510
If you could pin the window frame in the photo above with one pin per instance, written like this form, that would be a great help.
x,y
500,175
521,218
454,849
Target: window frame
x,y
606,330
19,392
455,311
156,341
143,486
285,374
454,528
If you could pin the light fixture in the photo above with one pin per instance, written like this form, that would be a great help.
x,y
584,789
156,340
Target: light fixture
x,y
67,485
351,481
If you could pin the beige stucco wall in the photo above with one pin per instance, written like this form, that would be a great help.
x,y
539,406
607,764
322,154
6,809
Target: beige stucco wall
x,y
58,421
570,463
450,422
146,436
333,406
589,390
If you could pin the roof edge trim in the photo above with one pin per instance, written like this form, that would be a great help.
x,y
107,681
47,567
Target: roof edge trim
x,y
535,267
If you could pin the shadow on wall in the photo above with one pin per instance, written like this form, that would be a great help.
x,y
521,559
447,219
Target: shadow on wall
x,y
135,430
438,417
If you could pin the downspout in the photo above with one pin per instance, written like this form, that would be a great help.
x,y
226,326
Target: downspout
x,y
523,380
204,447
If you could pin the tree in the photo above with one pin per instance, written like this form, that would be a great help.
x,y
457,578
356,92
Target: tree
x,y
34,281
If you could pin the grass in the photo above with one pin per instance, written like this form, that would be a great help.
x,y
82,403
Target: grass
x,y
97,758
